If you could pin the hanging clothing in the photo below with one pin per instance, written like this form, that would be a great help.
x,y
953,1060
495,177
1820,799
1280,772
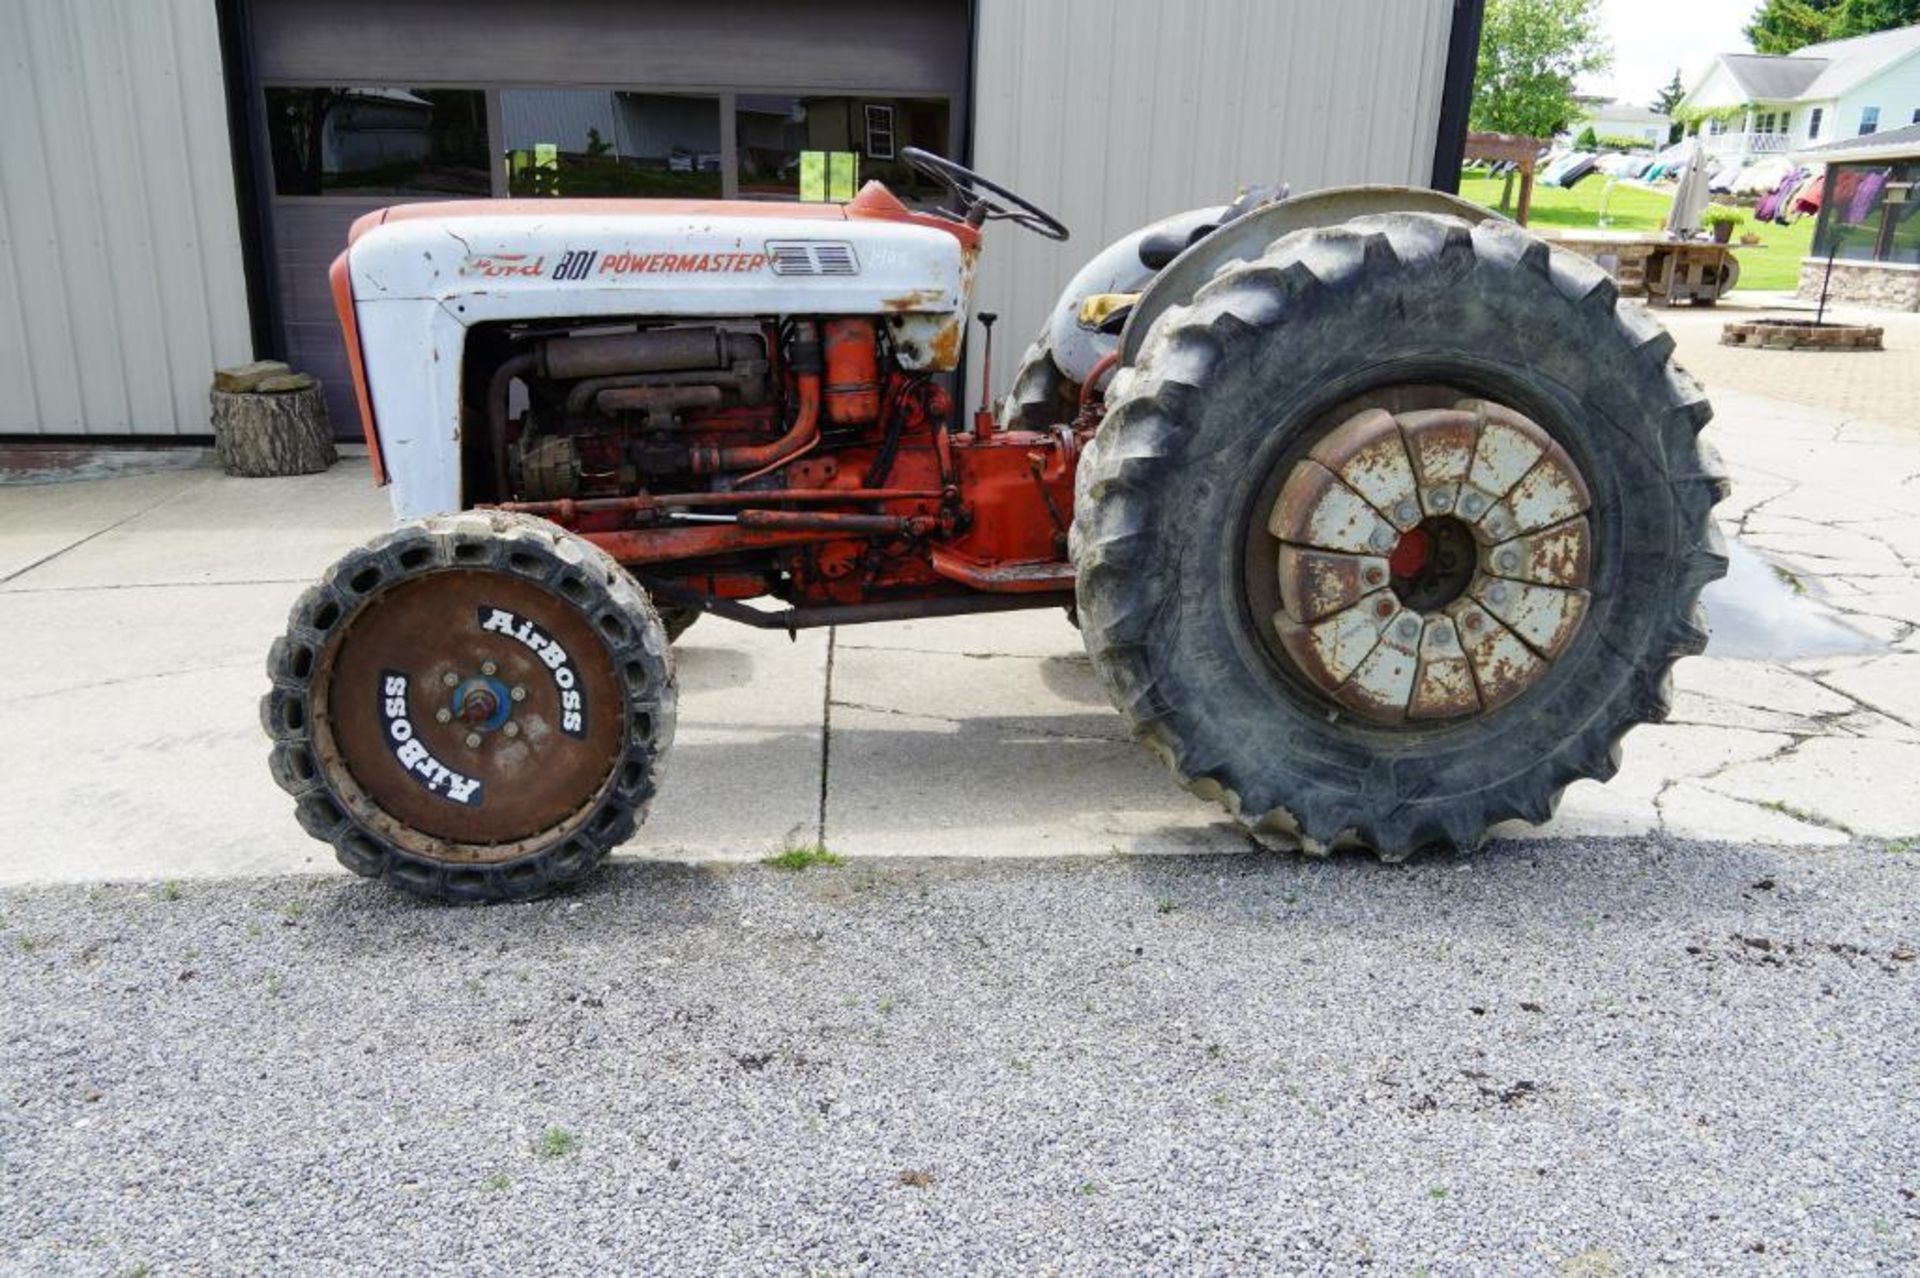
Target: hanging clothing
x,y
1864,199
1807,199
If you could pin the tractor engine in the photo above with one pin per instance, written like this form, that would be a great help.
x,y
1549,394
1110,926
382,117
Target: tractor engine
x,y
796,456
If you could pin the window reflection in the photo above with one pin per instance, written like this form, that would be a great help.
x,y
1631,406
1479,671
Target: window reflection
x,y
378,142
772,131
605,142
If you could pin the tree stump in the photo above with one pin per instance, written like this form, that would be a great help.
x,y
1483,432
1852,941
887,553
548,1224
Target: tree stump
x,y
270,431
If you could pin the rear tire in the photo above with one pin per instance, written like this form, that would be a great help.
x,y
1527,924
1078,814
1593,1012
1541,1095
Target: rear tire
x,y
474,707
1231,390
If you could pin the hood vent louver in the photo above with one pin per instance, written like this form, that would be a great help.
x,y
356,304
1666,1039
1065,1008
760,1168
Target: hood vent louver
x,y
812,257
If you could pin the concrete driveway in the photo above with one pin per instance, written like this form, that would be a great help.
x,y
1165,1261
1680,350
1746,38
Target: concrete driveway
x,y
138,610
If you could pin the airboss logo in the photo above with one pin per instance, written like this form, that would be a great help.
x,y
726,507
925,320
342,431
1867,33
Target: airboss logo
x,y
573,706
397,728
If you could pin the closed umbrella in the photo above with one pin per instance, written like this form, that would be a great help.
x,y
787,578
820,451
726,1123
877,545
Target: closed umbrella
x,y
1690,196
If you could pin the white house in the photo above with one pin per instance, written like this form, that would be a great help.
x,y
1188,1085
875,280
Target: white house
x,y
1765,105
1613,119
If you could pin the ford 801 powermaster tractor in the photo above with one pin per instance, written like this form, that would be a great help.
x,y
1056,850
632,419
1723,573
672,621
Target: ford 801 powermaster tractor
x,y
1382,521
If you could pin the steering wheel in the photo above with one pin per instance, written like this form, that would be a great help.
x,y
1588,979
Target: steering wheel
x,y
984,200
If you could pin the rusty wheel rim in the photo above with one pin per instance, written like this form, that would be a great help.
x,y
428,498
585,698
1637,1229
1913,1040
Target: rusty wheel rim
x,y
1433,564
469,714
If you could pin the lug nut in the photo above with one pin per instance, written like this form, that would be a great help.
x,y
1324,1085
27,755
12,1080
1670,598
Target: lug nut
x,y
1440,501
1383,538
488,668
1409,628
1472,621
1496,593
1405,512
1384,608
1472,503
443,715
473,741
1441,633
451,679
1376,576
1507,560
519,694
511,729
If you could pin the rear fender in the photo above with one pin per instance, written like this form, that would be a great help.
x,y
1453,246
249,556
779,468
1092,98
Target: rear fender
x,y
1246,238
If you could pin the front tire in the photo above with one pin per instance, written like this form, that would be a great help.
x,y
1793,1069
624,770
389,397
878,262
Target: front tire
x,y
474,707
1178,529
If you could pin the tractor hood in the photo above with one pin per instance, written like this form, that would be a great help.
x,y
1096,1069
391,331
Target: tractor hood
x,y
415,279
534,259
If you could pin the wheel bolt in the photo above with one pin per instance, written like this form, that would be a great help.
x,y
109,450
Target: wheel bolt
x,y
512,729
1383,538
488,668
443,715
473,741
519,694
1404,512
1376,576
1440,501
1471,503
1472,621
1496,593
1441,633
1384,608
451,679
1409,628
1507,560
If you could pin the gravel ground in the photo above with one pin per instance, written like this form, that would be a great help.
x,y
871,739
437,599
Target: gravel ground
x,y
1585,1056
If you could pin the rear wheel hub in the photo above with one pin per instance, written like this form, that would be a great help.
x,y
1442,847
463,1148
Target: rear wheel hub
x,y
1433,563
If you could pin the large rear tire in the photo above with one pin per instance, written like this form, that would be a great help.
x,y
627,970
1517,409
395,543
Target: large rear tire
x,y
1333,702
474,706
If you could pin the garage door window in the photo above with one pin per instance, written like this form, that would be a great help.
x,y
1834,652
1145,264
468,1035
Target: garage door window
x,y
358,141
610,142
771,131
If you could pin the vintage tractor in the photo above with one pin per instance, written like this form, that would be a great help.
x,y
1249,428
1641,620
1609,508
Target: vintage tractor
x,y
1382,521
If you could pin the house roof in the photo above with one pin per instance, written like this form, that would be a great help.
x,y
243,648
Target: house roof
x,y
1770,79
1874,146
1624,111
1852,62
1818,72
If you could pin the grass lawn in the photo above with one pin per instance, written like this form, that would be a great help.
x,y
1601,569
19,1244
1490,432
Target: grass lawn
x,y
1774,263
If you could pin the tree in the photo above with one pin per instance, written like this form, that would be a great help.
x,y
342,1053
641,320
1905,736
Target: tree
x,y
1786,26
1669,97
1781,26
1864,17
1531,54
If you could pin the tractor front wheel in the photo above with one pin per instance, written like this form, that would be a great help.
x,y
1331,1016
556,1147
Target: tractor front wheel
x,y
473,706
1393,532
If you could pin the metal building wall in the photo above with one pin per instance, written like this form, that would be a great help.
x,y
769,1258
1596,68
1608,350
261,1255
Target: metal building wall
x,y
121,277
1112,113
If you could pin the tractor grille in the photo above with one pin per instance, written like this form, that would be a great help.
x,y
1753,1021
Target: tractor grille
x,y
812,257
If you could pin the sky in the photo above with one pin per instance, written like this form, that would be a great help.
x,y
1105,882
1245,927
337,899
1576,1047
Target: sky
x,y
1651,37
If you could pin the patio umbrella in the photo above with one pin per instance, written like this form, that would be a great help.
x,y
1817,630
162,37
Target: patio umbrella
x,y
1690,196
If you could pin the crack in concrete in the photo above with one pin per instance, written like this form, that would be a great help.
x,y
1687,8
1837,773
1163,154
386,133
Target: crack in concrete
x,y
826,736
118,523
114,683
1027,725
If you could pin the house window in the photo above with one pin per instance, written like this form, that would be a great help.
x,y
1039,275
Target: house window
x,y
1916,116
1765,123
879,131
1786,122
1813,123
1869,121
1716,126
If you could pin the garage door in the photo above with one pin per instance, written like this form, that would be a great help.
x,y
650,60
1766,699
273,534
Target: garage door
x,y
367,103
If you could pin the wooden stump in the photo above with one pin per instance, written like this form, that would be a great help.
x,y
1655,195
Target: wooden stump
x,y
258,434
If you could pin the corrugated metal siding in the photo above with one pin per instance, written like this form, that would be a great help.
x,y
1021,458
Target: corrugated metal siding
x,y
121,283
1113,113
